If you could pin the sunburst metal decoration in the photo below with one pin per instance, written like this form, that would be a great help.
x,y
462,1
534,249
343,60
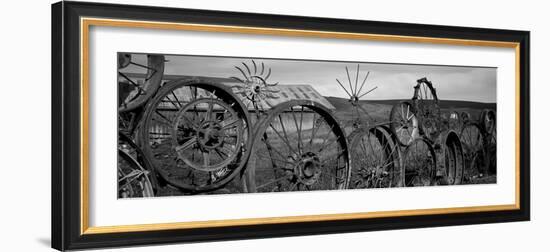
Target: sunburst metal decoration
x,y
254,85
355,95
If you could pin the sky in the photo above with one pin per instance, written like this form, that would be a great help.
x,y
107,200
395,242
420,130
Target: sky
x,y
393,81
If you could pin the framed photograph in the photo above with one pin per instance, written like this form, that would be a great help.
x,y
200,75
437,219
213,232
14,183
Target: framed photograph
x,y
179,125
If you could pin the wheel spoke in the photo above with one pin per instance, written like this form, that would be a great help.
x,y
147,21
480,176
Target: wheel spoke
x,y
206,159
297,130
285,140
313,131
187,144
274,181
163,117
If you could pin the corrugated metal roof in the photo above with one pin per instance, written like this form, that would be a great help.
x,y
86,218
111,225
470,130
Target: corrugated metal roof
x,y
287,93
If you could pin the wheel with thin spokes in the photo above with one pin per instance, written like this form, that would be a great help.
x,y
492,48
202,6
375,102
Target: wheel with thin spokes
x,y
134,179
374,159
419,163
196,133
299,146
475,157
404,123
427,109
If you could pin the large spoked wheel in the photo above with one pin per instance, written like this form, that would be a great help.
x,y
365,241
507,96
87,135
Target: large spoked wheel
x,y
475,156
419,163
374,159
404,123
134,180
196,134
298,147
428,111
454,159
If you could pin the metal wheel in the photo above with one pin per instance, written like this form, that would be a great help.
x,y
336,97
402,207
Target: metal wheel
x,y
138,79
454,159
427,109
254,86
298,147
196,134
404,123
475,157
134,180
374,159
419,163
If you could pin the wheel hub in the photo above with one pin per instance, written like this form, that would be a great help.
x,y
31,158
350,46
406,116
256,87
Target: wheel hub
x,y
308,169
210,135
354,100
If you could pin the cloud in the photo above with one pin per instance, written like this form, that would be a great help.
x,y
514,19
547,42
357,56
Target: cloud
x,y
394,81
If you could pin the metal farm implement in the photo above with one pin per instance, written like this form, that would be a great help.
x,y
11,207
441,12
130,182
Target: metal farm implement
x,y
197,134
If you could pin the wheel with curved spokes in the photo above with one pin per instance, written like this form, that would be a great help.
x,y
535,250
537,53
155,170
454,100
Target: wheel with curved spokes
x,y
134,180
419,163
475,158
298,147
404,123
374,159
197,135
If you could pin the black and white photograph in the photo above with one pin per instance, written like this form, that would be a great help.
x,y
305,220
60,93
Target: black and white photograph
x,y
199,124
279,126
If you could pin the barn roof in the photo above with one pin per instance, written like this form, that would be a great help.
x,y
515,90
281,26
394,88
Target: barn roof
x,y
287,91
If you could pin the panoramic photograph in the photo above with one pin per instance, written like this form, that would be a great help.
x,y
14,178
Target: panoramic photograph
x,y
199,125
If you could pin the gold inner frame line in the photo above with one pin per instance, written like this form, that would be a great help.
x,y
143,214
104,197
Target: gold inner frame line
x,y
87,22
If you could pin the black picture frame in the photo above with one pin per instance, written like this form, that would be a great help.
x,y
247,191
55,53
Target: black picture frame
x,y
66,126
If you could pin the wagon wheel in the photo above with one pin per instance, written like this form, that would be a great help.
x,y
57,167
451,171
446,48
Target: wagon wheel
x,y
404,123
134,180
298,147
455,121
375,159
454,159
138,82
196,134
475,157
427,109
419,163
